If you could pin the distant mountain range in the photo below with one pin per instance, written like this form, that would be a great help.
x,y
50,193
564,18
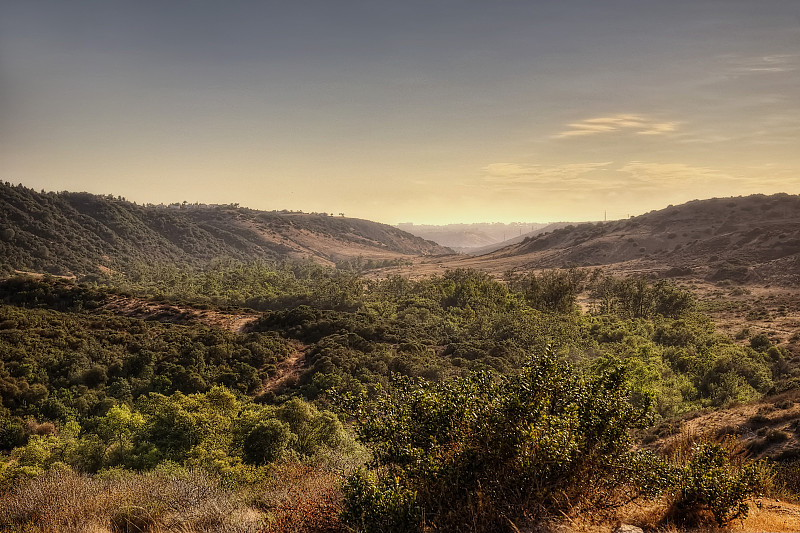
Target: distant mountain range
x,y
467,238
545,228
79,233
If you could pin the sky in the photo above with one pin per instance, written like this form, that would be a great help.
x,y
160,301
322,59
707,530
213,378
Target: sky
x,y
425,111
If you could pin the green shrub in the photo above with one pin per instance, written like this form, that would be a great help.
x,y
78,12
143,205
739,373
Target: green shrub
x,y
267,441
479,450
710,481
380,504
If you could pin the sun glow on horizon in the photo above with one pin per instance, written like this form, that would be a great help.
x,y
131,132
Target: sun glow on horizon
x,y
548,113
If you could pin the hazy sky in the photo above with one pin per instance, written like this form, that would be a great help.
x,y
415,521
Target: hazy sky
x,y
429,111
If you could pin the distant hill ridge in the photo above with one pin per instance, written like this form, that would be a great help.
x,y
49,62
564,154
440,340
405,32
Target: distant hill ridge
x,y
80,233
468,237
742,239
491,248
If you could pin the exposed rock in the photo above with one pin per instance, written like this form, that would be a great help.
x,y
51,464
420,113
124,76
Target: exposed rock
x,y
627,528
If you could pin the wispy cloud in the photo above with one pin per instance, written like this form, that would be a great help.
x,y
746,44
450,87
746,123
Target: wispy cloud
x,y
669,173
637,124
776,63
515,173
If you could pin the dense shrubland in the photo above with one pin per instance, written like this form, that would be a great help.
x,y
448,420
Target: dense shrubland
x,y
478,399
214,432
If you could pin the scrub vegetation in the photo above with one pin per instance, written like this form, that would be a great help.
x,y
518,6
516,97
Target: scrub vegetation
x,y
452,403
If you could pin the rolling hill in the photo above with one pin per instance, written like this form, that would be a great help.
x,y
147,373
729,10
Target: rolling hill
x,y
68,233
743,239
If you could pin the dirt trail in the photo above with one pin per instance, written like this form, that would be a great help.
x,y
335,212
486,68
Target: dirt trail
x,y
39,275
288,370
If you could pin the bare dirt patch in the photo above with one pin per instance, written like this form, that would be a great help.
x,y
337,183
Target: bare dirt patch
x,y
178,314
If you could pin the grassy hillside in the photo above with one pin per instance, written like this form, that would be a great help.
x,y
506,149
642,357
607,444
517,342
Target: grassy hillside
x,y
79,233
745,238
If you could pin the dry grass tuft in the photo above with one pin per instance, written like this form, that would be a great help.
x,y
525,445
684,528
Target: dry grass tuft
x,y
294,497
680,448
67,502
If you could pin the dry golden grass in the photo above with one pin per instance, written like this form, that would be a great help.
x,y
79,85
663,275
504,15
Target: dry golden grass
x,y
64,501
301,498
659,515
295,497
772,516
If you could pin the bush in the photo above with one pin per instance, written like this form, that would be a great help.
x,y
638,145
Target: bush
x,y
380,504
711,482
477,451
760,342
267,441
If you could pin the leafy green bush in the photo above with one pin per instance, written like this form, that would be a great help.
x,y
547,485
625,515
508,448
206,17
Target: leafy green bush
x,y
551,290
267,441
710,481
479,450
380,504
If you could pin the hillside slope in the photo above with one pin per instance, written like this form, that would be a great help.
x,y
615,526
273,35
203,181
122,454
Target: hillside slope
x,y
753,238
81,233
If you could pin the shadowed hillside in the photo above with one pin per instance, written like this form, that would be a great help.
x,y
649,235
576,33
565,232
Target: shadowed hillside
x,y
79,233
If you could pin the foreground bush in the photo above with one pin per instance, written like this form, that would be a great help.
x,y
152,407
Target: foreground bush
x,y
481,451
709,481
215,431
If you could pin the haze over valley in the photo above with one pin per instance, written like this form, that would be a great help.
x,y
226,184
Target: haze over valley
x,y
470,237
